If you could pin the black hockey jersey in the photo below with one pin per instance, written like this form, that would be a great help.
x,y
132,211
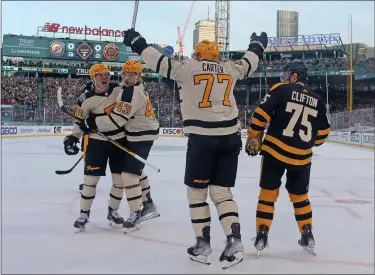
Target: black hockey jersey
x,y
297,121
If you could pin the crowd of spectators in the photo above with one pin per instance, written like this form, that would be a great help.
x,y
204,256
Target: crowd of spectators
x,y
22,94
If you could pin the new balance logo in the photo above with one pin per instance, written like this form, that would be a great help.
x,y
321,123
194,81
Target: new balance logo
x,y
51,27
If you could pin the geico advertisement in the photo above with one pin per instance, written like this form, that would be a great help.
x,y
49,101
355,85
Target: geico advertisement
x,y
9,130
171,131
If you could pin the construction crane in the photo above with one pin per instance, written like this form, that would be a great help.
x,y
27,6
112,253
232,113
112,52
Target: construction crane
x,y
180,35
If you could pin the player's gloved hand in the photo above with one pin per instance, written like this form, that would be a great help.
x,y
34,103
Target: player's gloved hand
x,y
253,144
70,145
88,124
258,43
135,41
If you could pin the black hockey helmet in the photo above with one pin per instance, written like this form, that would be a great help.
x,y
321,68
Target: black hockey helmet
x,y
296,66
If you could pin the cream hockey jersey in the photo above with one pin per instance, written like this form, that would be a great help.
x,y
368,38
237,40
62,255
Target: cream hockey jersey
x,y
207,102
133,110
99,105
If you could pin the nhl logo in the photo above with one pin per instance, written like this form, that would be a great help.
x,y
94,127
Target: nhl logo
x,y
111,52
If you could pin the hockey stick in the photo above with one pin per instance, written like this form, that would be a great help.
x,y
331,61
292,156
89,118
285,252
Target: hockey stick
x,y
135,12
65,111
64,172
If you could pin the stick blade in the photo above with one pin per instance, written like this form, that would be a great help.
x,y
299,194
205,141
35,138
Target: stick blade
x,y
59,97
58,172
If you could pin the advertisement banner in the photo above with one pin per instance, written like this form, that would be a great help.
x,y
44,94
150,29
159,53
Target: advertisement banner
x,y
171,132
69,49
355,138
66,130
9,130
368,139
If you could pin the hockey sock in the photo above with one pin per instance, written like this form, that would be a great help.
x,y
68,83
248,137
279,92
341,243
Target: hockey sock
x,y
116,193
132,190
266,207
226,207
302,210
88,192
145,185
199,209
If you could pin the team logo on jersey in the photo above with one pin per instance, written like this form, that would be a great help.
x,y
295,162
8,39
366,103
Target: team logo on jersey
x,y
82,97
56,48
111,52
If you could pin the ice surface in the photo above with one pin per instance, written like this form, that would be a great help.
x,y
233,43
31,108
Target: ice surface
x,y
39,208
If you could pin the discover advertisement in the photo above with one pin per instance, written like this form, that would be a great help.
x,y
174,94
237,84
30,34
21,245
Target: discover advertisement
x,y
171,132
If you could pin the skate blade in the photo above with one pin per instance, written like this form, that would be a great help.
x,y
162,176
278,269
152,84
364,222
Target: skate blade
x,y
238,258
79,229
307,248
114,225
201,259
129,230
149,216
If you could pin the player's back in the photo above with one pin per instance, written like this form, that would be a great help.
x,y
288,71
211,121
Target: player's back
x,y
208,105
295,119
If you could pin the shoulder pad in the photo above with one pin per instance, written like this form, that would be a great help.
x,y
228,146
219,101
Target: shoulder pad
x,y
274,87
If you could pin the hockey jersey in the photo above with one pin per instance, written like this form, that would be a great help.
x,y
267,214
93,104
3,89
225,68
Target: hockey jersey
x,y
99,105
133,110
207,102
297,122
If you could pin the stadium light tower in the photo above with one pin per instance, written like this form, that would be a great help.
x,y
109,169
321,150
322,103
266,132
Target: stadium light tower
x,y
222,27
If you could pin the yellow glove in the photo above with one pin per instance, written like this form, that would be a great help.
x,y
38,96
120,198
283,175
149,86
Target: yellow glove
x,y
253,144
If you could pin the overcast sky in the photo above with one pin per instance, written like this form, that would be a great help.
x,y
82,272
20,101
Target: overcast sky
x,y
157,21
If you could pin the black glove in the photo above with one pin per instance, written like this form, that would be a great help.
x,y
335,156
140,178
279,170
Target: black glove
x,y
258,43
88,124
70,145
135,41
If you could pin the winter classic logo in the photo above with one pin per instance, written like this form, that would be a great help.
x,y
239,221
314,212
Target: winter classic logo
x,y
56,48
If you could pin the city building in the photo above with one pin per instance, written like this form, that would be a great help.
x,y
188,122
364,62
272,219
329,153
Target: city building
x,y
287,23
204,29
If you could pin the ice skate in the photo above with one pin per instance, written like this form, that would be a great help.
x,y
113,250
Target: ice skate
x,y
80,223
233,250
261,240
148,209
114,218
201,251
132,223
307,241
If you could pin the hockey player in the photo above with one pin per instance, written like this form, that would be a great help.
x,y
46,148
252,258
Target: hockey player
x,y
210,118
132,108
97,151
297,122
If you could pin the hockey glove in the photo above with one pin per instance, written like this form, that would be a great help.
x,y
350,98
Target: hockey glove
x,y
253,144
135,41
258,43
88,124
70,145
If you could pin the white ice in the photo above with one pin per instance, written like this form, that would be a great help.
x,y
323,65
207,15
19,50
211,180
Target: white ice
x,y
39,208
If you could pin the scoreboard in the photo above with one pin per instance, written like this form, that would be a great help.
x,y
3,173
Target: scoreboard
x,y
68,49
